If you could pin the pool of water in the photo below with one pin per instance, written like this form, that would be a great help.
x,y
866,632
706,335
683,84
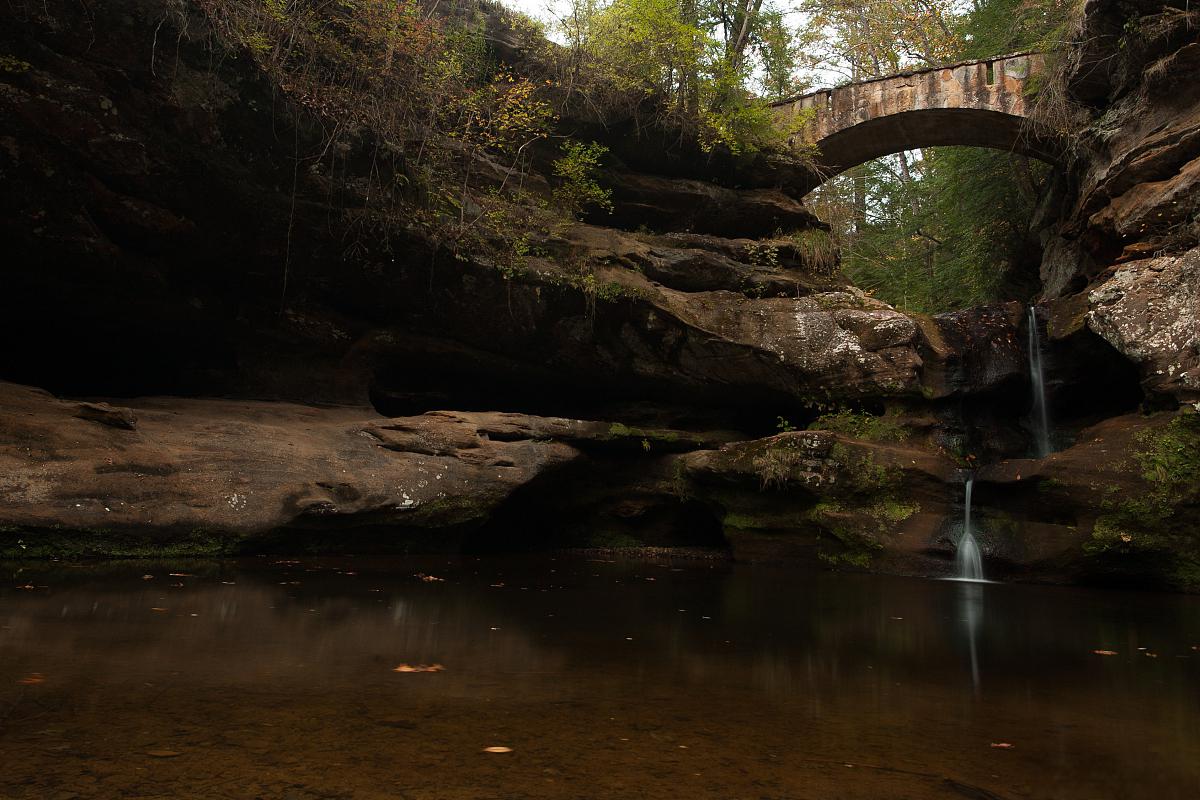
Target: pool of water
x,y
597,678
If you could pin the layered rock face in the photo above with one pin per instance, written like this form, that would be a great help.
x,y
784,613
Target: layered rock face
x,y
210,475
229,361
1122,262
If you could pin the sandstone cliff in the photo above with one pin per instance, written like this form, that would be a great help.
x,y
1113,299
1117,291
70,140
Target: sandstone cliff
x,y
238,363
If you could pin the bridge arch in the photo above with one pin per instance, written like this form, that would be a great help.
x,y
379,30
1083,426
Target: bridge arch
x,y
974,103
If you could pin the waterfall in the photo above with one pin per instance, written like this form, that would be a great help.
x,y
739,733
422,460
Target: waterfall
x,y
1041,417
970,563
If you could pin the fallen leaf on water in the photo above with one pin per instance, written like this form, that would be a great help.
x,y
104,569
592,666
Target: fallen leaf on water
x,y
163,753
159,609
32,679
497,749
1002,745
419,668
1105,652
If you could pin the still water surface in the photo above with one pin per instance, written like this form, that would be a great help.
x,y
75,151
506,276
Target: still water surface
x,y
606,679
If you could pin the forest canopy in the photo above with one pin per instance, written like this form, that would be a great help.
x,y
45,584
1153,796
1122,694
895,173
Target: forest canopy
x,y
926,231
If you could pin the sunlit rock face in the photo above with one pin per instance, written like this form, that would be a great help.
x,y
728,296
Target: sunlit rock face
x,y
1149,310
1136,168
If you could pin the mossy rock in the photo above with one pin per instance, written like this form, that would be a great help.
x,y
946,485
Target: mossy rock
x,y
1155,532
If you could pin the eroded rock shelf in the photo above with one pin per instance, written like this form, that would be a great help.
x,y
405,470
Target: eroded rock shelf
x,y
224,362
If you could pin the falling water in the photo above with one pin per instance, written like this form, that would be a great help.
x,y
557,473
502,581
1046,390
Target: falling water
x,y
970,564
1041,418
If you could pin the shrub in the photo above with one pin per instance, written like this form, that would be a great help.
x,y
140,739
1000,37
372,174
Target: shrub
x,y
576,170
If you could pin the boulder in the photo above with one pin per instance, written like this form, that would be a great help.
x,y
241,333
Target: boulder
x,y
1149,310
217,475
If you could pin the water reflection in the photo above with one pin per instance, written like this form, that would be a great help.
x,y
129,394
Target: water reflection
x,y
628,679
971,604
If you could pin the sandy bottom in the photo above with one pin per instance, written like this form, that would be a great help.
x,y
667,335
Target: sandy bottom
x,y
627,679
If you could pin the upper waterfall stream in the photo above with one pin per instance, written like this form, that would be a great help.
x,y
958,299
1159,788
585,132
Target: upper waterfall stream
x,y
1041,416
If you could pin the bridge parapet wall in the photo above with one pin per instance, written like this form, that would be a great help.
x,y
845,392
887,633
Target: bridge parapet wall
x,y
996,84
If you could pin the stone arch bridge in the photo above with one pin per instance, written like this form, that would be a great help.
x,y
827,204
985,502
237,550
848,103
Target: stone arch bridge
x,y
978,103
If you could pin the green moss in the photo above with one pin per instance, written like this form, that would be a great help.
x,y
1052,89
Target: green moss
x,y
455,509
892,511
854,546
1170,457
864,475
850,559
1154,531
681,485
69,543
646,439
860,425
612,539
13,64
743,522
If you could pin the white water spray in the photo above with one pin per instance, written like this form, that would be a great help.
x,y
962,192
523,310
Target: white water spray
x,y
968,559
1041,417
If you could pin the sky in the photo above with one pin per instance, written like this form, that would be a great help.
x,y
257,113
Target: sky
x,y
548,10
541,9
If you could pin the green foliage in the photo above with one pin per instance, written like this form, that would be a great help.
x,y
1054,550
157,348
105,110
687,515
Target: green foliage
x,y
996,27
762,254
861,425
818,249
869,38
576,170
944,228
685,64
415,88
1171,458
776,463
856,528
1154,531
864,475
1046,26
14,65
947,238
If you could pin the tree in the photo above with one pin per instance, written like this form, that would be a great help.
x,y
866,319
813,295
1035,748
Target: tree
x,y
691,63
942,228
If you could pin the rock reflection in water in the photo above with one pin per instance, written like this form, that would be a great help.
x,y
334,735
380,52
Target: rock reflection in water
x,y
629,679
